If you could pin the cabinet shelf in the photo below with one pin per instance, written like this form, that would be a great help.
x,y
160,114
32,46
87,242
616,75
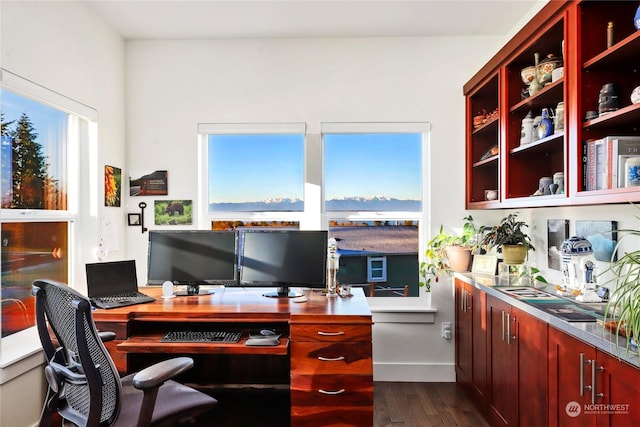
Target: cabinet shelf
x,y
547,96
544,144
623,52
490,126
574,31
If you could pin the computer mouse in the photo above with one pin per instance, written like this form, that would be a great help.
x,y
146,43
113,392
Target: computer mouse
x,y
267,332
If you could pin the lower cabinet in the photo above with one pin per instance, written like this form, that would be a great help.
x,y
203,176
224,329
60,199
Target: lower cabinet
x,y
331,375
589,387
471,336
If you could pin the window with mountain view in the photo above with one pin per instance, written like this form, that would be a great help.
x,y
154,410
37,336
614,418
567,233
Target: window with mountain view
x,y
255,172
373,190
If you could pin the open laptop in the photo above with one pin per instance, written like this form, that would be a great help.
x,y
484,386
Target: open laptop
x,y
114,284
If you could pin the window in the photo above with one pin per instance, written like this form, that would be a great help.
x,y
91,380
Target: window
x,y
253,168
373,199
362,182
41,133
377,269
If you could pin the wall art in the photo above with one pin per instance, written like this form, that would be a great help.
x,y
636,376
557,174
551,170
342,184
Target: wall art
x,y
557,232
602,235
153,184
112,186
173,212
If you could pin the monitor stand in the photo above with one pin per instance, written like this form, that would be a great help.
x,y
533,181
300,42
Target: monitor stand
x,y
283,292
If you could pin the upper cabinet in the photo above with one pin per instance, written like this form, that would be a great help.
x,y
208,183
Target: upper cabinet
x,y
559,122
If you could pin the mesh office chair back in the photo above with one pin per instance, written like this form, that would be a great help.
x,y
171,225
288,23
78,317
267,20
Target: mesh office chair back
x,y
90,392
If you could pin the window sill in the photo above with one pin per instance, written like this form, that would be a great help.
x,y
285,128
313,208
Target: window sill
x,y
20,353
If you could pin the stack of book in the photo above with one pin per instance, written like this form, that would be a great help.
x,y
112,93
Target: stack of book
x,y
603,161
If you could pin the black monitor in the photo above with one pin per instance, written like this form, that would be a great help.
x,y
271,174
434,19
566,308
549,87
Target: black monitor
x,y
192,257
283,259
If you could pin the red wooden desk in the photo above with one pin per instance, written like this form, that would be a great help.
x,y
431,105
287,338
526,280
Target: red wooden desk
x,y
324,355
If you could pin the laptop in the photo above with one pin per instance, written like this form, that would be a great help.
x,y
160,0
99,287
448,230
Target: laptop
x,y
114,284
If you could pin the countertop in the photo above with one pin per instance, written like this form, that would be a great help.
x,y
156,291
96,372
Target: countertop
x,y
590,332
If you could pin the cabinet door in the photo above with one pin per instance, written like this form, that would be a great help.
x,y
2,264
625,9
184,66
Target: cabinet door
x,y
463,333
503,355
479,344
569,380
533,392
617,386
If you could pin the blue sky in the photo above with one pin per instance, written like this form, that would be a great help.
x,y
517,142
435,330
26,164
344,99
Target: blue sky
x,y
50,124
256,167
373,165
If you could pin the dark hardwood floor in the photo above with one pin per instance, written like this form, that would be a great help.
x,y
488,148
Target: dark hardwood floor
x,y
402,404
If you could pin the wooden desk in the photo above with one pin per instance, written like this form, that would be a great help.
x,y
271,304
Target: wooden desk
x,y
324,355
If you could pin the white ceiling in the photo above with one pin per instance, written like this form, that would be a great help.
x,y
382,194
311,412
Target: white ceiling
x,y
212,19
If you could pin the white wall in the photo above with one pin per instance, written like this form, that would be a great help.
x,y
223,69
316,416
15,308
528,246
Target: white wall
x,y
62,46
174,85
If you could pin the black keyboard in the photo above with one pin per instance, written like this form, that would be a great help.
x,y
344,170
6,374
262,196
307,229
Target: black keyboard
x,y
202,336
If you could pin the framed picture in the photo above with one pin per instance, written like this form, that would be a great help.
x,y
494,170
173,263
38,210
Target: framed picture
x,y
484,264
173,212
602,235
152,184
112,186
557,232
134,219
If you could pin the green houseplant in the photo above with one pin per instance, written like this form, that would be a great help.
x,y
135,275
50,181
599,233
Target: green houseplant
x,y
509,238
448,252
624,300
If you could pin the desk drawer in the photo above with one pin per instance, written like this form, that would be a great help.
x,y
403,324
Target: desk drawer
x,y
331,332
331,390
326,358
328,416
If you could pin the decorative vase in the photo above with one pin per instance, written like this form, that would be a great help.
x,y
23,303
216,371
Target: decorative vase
x,y
545,128
514,254
459,258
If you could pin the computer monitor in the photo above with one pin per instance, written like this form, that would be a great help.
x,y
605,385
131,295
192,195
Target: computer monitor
x,y
192,257
283,259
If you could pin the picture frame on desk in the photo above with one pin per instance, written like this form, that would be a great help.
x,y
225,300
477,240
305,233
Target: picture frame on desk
x,y
622,170
484,264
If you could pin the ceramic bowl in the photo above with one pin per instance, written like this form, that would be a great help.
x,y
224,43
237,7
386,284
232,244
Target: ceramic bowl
x,y
491,194
528,74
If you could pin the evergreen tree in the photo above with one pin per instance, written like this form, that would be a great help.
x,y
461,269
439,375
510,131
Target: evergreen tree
x,y
28,166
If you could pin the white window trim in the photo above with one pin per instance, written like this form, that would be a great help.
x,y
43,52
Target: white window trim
x,y
204,130
21,345
370,269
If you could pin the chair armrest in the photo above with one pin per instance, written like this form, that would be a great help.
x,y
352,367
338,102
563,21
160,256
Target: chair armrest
x,y
107,336
156,375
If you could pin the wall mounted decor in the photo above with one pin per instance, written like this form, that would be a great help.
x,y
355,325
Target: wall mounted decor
x,y
112,186
134,219
153,184
557,232
602,235
173,212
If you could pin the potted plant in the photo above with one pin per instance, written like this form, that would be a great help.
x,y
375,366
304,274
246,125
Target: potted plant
x,y
509,238
624,299
448,252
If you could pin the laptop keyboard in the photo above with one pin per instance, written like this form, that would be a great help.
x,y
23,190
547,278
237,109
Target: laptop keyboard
x,y
202,336
130,296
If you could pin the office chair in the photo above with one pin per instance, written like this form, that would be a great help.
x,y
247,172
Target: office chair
x,y
84,386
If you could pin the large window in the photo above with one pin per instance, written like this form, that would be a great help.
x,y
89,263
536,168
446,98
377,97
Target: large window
x,y
374,192
41,132
362,182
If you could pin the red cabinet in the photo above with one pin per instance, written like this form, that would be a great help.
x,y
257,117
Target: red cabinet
x,y
588,387
471,340
517,366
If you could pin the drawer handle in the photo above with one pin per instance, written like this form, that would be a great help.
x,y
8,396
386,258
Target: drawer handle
x,y
332,393
330,334
331,359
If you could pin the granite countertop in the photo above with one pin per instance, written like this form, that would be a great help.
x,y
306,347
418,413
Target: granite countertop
x,y
592,333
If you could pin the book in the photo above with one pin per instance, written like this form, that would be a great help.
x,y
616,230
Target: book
x,y
591,164
618,146
585,165
600,164
622,175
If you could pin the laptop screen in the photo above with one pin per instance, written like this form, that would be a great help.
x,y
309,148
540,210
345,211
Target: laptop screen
x,y
111,278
